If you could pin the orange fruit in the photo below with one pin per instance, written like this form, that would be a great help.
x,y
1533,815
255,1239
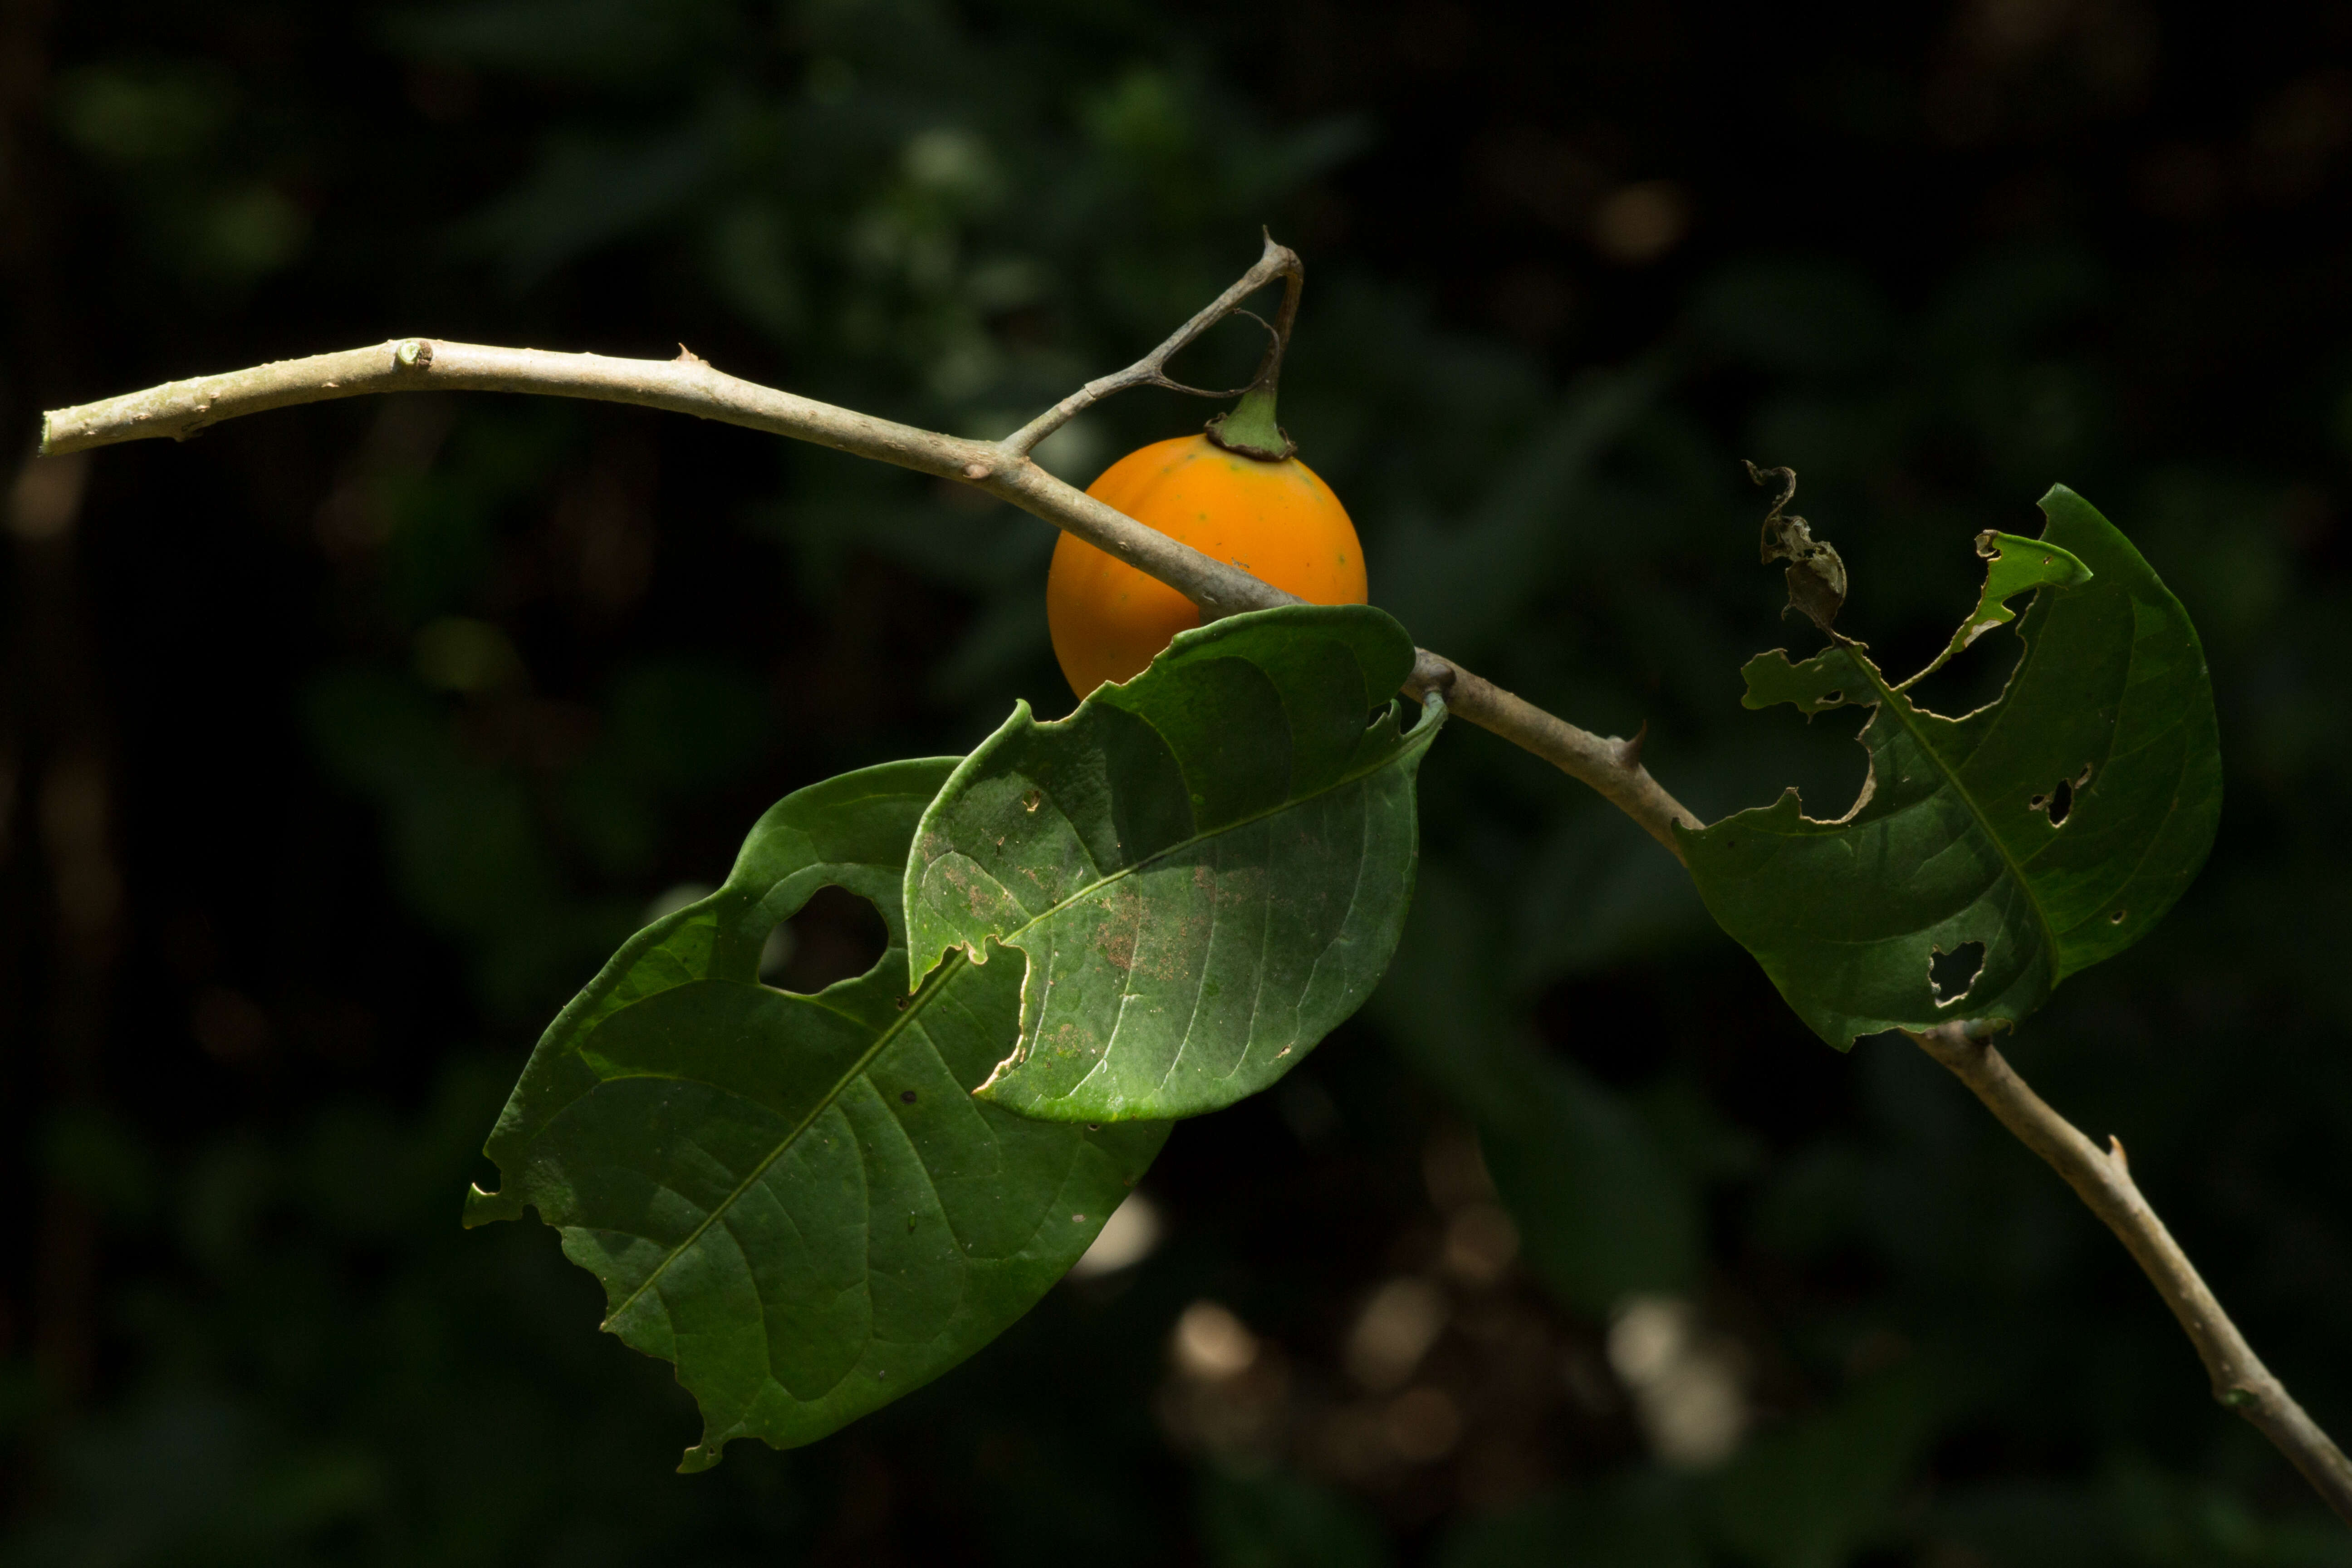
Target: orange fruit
x,y
1277,521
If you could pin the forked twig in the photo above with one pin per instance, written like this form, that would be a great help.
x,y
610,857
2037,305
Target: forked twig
x,y
1279,261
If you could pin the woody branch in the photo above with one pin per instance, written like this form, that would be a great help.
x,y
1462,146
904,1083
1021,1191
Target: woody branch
x,y
1003,468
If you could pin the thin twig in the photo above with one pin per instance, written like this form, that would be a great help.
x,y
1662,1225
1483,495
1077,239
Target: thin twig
x,y
688,385
2102,1179
1152,370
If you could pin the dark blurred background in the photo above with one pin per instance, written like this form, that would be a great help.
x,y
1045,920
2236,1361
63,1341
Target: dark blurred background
x,y
339,746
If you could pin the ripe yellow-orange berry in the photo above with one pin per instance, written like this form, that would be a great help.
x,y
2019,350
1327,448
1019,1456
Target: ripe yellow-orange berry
x,y
1277,521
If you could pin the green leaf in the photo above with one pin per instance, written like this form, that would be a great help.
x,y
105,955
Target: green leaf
x,y
1204,869
795,1198
2054,825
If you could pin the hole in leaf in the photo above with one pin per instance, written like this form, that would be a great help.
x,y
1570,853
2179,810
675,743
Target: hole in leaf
x,y
1978,675
836,936
2059,802
1952,975
1832,699
2116,919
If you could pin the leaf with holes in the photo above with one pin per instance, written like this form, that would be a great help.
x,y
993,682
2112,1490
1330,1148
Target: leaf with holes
x,y
795,1198
1204,870
2045,831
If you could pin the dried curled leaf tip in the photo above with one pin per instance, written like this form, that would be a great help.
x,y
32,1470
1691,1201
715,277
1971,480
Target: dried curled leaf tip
x,y
1817,583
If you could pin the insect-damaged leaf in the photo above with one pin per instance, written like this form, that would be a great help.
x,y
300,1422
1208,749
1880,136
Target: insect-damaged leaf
x,y
795,1198
1204,869
2054,825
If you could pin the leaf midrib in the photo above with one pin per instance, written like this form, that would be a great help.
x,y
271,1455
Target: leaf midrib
x,y
1892,698
933,984
1416,738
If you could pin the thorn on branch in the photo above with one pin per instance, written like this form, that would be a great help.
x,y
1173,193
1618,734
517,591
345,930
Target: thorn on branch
x,y
687,356
1629,752
2115,1152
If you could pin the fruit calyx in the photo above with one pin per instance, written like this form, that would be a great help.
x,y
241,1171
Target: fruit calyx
x,y
1248,428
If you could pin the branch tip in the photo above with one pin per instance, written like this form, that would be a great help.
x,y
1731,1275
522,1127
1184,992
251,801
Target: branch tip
x,y
2102,1179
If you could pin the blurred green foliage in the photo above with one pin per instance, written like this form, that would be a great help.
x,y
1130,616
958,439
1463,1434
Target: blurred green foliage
x,y
417,707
